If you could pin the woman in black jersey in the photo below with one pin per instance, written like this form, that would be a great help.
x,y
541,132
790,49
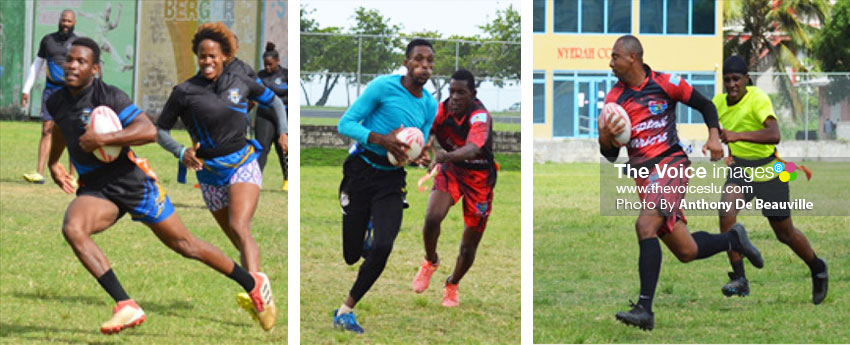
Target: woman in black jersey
x,y
213,105
274,77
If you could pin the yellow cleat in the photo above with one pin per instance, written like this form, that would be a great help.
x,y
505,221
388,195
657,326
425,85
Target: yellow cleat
x,y
263,301
126,314
285,186
245,303
34,177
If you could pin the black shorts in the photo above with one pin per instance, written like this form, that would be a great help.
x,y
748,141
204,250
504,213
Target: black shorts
x,y
361,182
134,192
769,191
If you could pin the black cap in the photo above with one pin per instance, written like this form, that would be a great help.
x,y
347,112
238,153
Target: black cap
x,y
735,64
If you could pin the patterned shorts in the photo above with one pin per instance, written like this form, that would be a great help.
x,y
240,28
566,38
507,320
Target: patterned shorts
x,y
218,197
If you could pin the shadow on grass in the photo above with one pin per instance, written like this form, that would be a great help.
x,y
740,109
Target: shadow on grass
x,y
46,296
175,308
18,179
182,205
172,308
9,329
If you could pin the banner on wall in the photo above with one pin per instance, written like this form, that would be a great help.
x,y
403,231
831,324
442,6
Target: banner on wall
x,y
165,42
111,23
11,53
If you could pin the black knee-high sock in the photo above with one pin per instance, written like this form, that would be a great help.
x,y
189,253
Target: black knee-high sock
x,y
816,266
649,266
241,276
110,283
738,269
710,244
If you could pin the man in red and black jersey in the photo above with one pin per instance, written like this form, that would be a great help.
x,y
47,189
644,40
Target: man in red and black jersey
x,y
650,98
463,167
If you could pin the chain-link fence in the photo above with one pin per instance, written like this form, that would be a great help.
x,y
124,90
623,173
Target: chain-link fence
x,y
336,67
810,106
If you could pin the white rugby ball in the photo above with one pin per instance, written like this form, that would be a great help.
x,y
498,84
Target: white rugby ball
x,y
104,120
614,113
413,137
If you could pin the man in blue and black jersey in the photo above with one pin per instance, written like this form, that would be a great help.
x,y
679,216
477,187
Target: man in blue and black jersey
x,y
126,185
51,51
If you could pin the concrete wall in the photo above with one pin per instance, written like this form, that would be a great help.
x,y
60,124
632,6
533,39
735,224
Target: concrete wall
x,y
587,150
166,40
150,47
111,23
327,136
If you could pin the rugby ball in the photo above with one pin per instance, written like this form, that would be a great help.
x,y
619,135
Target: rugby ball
x,y
614,113
104,120
413,137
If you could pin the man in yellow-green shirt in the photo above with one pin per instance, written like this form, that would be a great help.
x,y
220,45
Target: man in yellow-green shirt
x,y
751,130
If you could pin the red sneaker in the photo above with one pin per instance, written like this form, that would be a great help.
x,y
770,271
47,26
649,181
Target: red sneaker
x,y
450,295
423,277
125,315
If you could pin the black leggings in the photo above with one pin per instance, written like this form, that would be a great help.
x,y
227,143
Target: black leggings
x,y
265,130
367,193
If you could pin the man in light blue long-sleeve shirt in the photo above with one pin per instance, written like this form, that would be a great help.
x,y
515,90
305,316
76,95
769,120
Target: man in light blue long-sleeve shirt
x,y
372,191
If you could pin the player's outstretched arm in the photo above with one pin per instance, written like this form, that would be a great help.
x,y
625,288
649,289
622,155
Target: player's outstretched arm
x,y
139,132
768,135
712,147
468,151
57,171
184,154
35,68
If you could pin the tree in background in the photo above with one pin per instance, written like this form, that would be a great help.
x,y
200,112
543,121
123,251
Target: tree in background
x,y
776,29
383,56
832,49
502,61
450,55
492,62
331,59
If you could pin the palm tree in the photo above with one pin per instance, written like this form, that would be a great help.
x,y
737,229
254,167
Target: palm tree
x,y
778,29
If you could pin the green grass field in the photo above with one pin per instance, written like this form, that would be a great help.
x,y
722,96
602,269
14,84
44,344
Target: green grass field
x,y
47,296
585,270
391,312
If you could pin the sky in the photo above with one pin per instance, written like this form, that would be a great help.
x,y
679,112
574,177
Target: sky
x,y
446,16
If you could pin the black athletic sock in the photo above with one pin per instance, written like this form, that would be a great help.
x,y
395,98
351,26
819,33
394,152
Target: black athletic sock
x,y
816,266
110,283
738,269
649,267
241,276
710,244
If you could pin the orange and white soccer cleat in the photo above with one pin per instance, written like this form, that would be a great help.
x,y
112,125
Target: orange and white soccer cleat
x,y
423,277
125,315
450,298
263,301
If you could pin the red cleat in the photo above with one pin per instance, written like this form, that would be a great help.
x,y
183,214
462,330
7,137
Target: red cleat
x,y
450,295
423,277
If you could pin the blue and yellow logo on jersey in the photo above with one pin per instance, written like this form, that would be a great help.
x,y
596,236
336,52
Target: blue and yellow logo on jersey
x,y
233,95
657,107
